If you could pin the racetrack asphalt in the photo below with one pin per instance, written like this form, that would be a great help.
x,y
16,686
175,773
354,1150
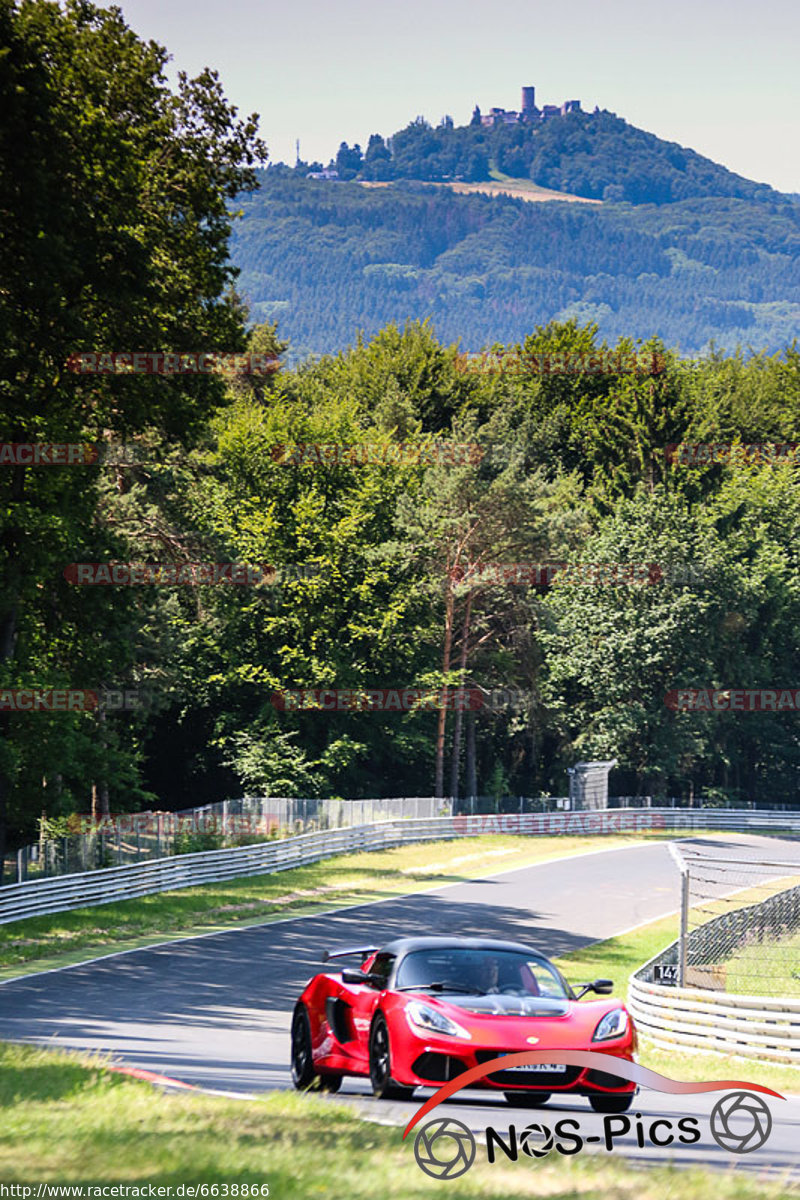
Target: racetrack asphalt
x,y
214,1010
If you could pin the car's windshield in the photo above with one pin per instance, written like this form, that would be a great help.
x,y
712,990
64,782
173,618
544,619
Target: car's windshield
x,y
481,972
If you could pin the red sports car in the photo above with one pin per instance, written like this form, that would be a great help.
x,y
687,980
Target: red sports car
x,y
420,1011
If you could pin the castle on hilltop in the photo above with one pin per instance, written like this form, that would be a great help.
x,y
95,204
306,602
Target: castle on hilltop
x,y
528,112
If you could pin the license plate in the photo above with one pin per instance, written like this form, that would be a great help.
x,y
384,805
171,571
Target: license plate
x,y
556,1068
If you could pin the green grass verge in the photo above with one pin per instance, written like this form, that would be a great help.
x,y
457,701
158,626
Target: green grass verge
x,y
768,968
65,1119
59,939
617,959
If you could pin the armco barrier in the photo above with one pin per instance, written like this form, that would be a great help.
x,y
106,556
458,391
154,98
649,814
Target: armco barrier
x,y
622,820
700,1019
90,888
209,866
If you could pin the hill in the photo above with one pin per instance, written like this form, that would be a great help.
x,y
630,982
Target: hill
x,y
638,234
328,258
599,156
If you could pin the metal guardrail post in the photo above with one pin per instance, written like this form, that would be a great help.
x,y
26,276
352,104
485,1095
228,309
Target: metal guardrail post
x,y
683,938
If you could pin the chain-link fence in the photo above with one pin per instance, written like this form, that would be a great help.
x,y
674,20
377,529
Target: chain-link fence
x,y
740,919
79,843
84,844
76,844
472,805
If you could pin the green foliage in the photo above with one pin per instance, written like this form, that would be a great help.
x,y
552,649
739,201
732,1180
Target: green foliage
x,y
571,468
115,196
193,843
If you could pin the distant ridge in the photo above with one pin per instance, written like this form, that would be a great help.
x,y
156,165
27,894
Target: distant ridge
x,y
596,156
639,237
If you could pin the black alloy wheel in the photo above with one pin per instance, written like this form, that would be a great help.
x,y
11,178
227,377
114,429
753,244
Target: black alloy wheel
x,y
303,1073
380,1064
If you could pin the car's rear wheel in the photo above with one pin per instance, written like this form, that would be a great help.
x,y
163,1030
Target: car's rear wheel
x,y
611,1104
330,1083
303,1073
380,1064
528,1099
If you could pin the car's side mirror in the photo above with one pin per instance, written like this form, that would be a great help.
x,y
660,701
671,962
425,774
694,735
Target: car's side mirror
x,y
353,975
603,987
350,975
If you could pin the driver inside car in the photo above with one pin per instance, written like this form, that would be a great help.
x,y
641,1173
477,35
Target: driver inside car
x,y
488,975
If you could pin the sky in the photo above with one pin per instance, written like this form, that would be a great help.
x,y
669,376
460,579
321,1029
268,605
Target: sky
x,y
719,76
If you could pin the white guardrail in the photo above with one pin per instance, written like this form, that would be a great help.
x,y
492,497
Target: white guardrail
x,y
677,1018
103,886
89,888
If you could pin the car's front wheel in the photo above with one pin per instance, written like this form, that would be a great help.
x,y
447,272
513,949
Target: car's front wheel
x,y
380,1064
611,1104
528,1099
303,1073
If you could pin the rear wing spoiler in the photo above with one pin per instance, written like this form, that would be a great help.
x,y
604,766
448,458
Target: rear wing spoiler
x,y
364,951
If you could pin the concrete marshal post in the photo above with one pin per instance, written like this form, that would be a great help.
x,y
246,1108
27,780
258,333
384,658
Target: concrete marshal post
x,y
588,785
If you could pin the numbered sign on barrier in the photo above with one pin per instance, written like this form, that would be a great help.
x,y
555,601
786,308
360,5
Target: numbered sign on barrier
x,y
665,973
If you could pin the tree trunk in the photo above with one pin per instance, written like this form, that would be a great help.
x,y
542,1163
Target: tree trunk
x,y
448,644
454,772
11,539
472,775
104,809
3,809
535,782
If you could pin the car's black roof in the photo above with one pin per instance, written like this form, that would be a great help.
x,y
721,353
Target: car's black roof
x,y
402,946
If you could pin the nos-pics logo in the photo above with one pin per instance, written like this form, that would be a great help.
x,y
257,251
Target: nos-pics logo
x,y
445,1148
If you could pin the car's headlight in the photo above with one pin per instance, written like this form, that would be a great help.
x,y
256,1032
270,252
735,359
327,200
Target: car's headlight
x,y
613,1024
428,1019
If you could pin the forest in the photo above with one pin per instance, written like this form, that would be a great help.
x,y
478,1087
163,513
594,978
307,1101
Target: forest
x,y
363,571
327,258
